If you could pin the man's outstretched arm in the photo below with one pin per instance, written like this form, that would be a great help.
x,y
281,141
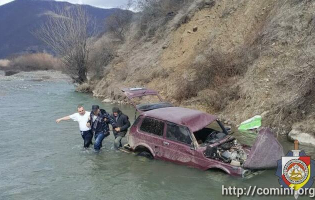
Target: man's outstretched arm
x,y
63,119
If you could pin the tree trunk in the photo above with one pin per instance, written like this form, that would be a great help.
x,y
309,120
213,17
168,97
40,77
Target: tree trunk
x,y
82,74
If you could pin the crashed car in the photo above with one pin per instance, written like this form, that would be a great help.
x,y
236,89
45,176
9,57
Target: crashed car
x,y
194,138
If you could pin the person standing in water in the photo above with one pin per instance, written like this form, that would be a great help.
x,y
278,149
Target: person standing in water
x,y
98,121
82,118
123,123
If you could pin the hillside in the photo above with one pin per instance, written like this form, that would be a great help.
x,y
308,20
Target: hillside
x,y
233,58
20,17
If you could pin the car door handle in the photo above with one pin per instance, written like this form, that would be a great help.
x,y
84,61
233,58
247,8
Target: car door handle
x,y
166,143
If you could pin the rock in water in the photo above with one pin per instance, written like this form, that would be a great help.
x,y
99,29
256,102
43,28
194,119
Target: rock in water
x,y
107,101
302,137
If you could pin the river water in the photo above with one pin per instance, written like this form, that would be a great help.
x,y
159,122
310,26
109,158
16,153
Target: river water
x,y
40,159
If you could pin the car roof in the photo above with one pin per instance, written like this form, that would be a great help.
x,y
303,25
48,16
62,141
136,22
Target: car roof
x,y
195,120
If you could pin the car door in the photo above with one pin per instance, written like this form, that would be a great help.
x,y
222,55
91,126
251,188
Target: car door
x,y
152,131
177,144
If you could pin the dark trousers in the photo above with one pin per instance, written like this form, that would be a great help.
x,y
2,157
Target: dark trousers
x,y
118,138
87,137
99,137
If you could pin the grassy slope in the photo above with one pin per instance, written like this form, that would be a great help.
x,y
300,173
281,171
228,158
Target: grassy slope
x,y
274,41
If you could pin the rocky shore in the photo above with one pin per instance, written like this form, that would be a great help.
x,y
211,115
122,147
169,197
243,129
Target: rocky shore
x,y
49,75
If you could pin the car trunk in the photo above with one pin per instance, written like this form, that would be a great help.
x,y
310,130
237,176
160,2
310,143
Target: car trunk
x,y
134,94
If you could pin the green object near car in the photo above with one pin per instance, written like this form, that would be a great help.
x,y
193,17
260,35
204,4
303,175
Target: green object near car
x,y
252,123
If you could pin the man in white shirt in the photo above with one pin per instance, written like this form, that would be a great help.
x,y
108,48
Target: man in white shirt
x,y
82,117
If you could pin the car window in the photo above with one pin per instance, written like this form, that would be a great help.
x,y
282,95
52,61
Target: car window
x,y
153,126
178,133
137,121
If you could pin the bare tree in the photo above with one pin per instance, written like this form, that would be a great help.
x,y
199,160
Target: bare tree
x,y
119,21
158,8
66,32
103,51
154,14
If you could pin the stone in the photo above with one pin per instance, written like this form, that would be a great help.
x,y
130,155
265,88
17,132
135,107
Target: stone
x,y
195,29
107,101
302,137
209,3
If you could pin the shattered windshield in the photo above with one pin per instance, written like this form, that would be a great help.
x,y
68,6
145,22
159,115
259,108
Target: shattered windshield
x,y
210,134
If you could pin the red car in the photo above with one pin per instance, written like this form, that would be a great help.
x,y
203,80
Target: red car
x,y
194,138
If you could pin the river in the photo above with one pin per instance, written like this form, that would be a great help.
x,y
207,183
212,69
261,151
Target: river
x,y
40,159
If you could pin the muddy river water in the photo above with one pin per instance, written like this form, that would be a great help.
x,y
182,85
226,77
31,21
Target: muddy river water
x,y
40,159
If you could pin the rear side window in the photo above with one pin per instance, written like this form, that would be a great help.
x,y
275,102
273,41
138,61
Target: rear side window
x,y
178,133
152,126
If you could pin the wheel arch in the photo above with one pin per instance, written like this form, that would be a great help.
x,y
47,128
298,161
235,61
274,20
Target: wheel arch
x,y
144,147
217,167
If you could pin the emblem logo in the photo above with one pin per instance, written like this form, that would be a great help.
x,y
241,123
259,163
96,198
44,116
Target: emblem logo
x,y
296,170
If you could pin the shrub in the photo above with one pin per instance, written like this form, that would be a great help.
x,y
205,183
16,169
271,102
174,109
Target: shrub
x,y
212,70
85,88
4,63
37,61
101,54
156,13
118,23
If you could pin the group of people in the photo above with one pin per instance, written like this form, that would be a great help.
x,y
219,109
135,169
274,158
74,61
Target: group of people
x,y
96,123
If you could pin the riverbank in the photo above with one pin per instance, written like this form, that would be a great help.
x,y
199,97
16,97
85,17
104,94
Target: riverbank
x,y
297,133
46,75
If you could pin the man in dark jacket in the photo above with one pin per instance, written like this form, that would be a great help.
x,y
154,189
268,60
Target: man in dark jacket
x,y
122,123
99,120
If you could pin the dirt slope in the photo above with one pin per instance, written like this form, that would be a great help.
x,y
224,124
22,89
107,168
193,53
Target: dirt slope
x,y
234,58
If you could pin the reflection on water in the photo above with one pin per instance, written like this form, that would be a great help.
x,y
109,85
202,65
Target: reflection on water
x,y
43,160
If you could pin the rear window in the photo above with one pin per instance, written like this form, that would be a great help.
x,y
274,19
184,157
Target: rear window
x,y
152,126
178,133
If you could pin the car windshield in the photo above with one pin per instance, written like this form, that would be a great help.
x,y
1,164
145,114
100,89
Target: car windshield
x,y
210,134
149,102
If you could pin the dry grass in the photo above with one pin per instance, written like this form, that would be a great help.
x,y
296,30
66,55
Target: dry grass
x,y
38,61
85,88
281,80
246,58
212,71
4,63
155,14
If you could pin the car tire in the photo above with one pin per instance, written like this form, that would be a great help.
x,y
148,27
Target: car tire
x,y
145,154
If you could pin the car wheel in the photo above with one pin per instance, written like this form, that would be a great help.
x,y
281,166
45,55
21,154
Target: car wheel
x,y
145,154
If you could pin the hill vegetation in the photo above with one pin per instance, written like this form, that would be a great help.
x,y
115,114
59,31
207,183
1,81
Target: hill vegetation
x,y
234,58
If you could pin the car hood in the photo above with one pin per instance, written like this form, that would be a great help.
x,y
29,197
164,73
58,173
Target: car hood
x,y
265,152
